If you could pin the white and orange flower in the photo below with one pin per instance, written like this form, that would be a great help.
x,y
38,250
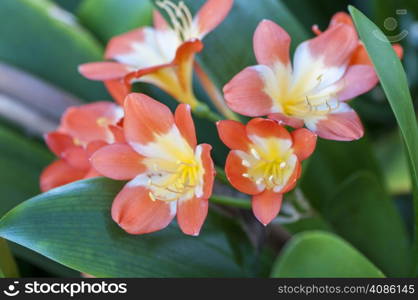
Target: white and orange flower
x,y
312,91
265,161
168,172
162,55
83,130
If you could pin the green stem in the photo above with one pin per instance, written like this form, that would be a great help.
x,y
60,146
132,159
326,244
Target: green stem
x,y
221,176
229,201
203,111
7,263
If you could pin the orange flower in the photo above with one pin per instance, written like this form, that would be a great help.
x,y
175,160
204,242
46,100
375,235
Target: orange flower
x,y
162,55
168,172
312,91
83,130
359,56
265,161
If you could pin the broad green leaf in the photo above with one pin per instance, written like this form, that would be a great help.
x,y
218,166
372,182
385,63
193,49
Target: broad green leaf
x,y
321,254
21,162
107,18
70,5
41,38
77,216
362,213
391,155
393,80
8,266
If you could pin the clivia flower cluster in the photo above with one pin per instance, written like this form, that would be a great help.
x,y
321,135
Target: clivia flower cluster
x,y
141,141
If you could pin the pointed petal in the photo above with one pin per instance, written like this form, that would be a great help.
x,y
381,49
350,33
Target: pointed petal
x,y
117,89
191,215
184,121
209,176
92,147
285,120
266,128
359,79
118,133
103,70
304,143
245,93
271,44
234,170
90,122
58,142
136,213
118,161
266,206
124,43
145,117
212,13
343,125
341,18
335,45
159,22
59,173
233,134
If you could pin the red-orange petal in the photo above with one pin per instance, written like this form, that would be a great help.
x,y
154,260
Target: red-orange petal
x,y
123,44
245,93
118,161
304,143
266,128
118,89
83,122
136,213
145,117
341,18
358,79
77,157
103,70
59,173
209,176
344,126
293,180
234,170
212,13
266,206
58,142
191,215
233,134
336,44
184,122
271,44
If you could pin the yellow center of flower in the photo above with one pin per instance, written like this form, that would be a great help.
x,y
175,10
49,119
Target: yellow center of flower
x,y
180,18
102,122
270,164
169,182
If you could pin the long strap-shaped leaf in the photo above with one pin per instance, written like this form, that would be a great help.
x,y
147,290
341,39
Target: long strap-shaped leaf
x,y
393,80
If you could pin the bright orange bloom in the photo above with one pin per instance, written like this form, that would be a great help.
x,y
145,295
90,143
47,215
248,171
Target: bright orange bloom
x,y
168,171
312,91
265,161
359,56
162,55
83,130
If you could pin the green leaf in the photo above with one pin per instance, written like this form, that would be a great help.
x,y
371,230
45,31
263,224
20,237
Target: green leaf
x,y
363,214
21,162
394,82
72,225
107,18
320,254
8,266
39,37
